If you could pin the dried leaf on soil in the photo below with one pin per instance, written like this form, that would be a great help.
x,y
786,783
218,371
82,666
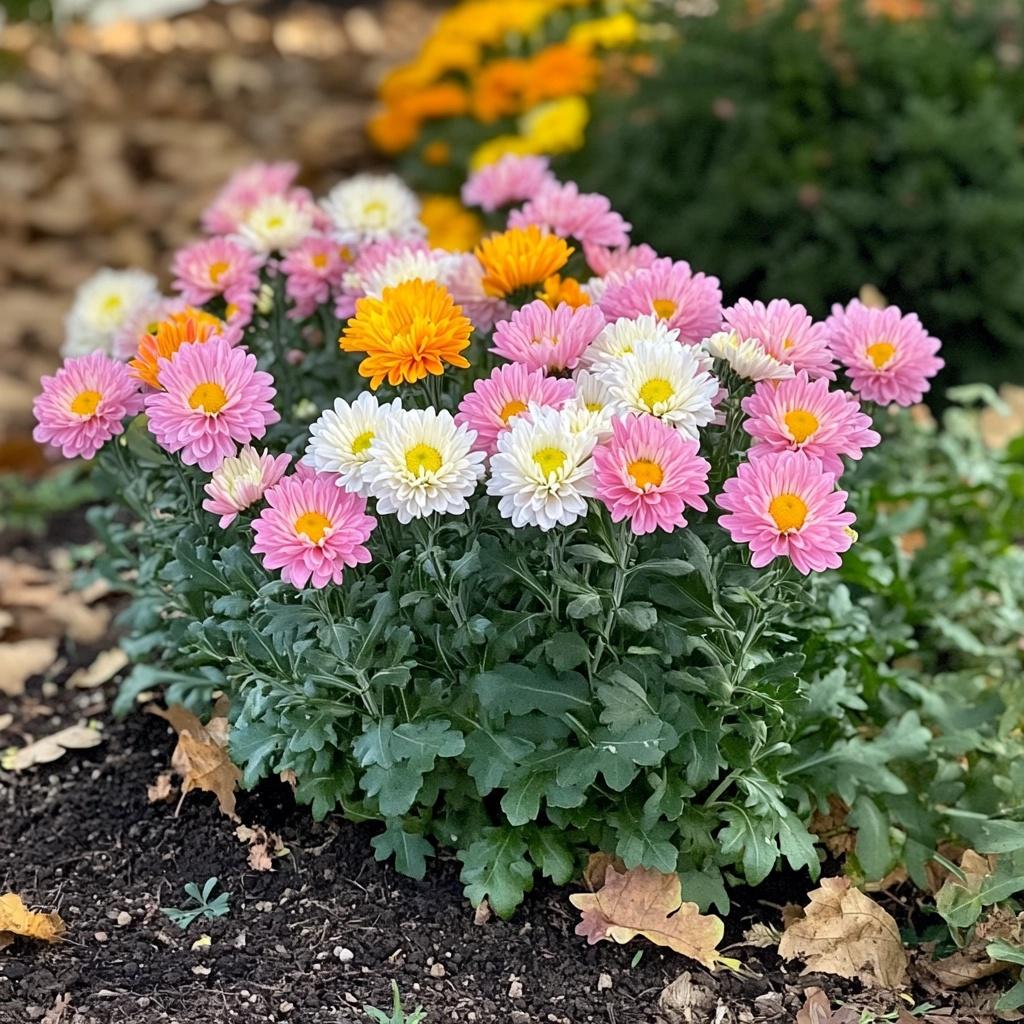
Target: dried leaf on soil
x,y
50,748
646,902
17,920
106,665
201,755
846,933
687,1001
597,867
263,846
818,1010
23,659
973,962
161,789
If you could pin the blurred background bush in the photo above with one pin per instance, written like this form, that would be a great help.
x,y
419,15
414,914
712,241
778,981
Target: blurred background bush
x,y
797,148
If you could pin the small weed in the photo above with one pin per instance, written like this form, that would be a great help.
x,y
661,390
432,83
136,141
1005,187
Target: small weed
x,y
204,906
398,1015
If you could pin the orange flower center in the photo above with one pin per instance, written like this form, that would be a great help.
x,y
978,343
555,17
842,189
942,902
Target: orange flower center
x,y
218,270
881,353
314,525
801,424
789,512
663,308
510,409
645,473
85,403
319,260
209,397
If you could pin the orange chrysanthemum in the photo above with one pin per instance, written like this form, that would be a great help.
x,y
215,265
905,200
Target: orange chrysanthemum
x,y
559,289
520,258
190,326
408,333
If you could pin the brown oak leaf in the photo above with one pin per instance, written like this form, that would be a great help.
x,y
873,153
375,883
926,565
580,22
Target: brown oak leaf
x,y
201,755
50,748
645,902
17,920
846,933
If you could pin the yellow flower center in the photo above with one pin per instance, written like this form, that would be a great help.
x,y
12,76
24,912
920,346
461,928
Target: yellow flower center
x,y
594,406
549,460
362,442
218,270
112,303
881,353
374,211
801,424
209,397
314,525
510,409
656,390
230,310
422,458
645,473
85,403
319,260
787,344
663,308
275,221
788,511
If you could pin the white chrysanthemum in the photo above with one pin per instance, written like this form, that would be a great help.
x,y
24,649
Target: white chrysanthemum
x,y
102,305
594,289
590,409
436,265
748,359
667,380
340,440
623,337
542,472
275,224
421,462
374,207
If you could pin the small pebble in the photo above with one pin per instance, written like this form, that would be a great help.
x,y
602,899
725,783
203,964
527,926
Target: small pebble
x,y
515,990
343,954
100,936
437,970
604,982
124,919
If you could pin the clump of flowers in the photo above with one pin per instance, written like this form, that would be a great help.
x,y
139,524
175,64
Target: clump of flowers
x,y
530,550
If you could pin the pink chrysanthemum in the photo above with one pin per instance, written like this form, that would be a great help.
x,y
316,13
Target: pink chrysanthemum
x,y
585,216
84,404
804,415
216,266
649,473
366,263
511,179
240,481
888,356
466,286
622,260
494,402
553,339
313,271
213,398
786,331
784,503
691,303
312,530
244,191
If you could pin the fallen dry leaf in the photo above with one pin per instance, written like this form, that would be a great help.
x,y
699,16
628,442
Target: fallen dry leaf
x,y
50,748
6,720
644,902
817,1009
23,659
597,868
161,788
846,933
263,846
17,920
55,1014
972,963
687,1001
201,756
106,665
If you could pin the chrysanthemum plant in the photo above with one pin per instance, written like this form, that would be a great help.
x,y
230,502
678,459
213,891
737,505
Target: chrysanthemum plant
x,y
523,551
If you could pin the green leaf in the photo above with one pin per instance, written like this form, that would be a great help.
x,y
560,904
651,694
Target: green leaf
x,y
495,868
584,606
639,615
395,788
519,689
753,839
874,846
797,844
550,851
491,755
409,850
521,802
566,650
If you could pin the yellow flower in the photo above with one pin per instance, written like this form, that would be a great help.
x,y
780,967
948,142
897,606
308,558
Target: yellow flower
x,y
408,333
492,150
556,127
519,258
617,31
449,224
558,289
